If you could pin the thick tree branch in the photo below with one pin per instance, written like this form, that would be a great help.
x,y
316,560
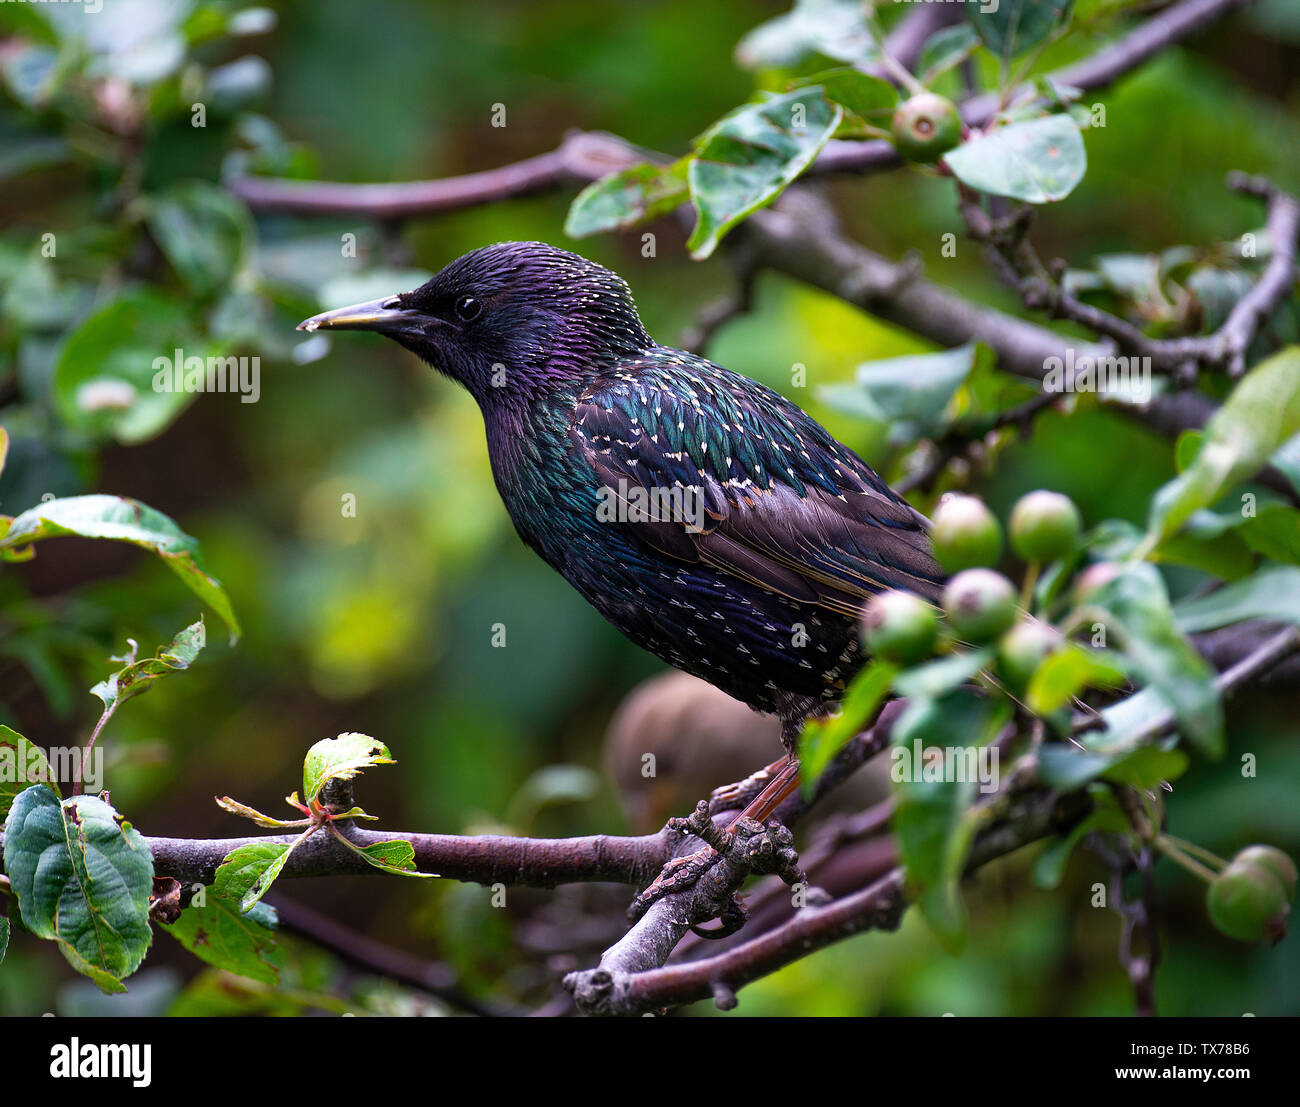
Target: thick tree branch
x,y
483,859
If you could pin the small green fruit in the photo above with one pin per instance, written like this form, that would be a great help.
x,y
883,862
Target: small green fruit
x,y
1044,526
1247,902
926,127
1273,859
964,533
1023,648
980,605
900,627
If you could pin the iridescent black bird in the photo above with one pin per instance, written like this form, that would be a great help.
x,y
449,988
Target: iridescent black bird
x,y
745,537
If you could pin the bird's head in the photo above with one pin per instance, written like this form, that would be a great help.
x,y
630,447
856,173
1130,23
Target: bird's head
x,y
507,320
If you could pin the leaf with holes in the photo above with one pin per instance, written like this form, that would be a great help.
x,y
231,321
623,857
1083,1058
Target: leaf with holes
x,y
219,932
82,876
747,158
340,758
21,764
623,199
137,677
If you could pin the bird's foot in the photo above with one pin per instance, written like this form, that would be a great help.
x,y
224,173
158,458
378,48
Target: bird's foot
x,y
736,797
746,846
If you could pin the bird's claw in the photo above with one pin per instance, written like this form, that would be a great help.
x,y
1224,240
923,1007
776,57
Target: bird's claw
x,y
746,845
738,796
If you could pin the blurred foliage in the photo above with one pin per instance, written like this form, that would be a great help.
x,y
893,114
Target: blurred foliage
x,y
349,513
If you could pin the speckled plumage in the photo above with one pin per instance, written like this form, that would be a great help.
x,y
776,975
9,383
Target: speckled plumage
x,y
775,532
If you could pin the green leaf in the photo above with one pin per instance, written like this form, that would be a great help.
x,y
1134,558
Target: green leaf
x,y
254,815
822,739
82,876
1260,415
1011,27
253,869
934,821
1287,460
122,520
747,158
104,376
137,677
1272,592
835,28
1038,161
340,758
910,395
944,49
1049,867
1147,767
202,229
623,199
864,95
937,678
1067,767
1066,673
396,857
226,937
1138,614
21,764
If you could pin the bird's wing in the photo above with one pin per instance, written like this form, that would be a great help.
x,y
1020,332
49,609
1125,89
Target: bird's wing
x,y
711,467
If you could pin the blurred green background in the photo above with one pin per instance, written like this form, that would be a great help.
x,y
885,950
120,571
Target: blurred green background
x,y
383,623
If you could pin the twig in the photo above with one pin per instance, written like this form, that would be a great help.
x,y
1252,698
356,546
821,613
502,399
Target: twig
x,y
1007,244
371,956
713,317
1229,345
958,440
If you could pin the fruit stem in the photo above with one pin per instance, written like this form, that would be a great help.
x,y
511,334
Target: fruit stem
x,y
1166,846
1027,589
1204,854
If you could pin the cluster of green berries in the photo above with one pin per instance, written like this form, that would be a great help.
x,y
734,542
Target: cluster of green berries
x,y
979,602
1249,900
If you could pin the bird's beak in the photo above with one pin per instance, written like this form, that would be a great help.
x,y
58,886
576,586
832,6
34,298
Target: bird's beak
x,y
385,316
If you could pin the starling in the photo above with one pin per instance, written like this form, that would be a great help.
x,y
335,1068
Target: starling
x,y
707,517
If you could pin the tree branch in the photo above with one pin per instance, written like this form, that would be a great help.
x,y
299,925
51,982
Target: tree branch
x,y
607,991
483,859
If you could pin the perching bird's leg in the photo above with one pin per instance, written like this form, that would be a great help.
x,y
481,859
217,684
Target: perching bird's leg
x,y
736,797
763,806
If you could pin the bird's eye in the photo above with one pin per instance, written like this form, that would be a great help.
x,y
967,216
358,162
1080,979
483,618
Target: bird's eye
x,y
468,307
